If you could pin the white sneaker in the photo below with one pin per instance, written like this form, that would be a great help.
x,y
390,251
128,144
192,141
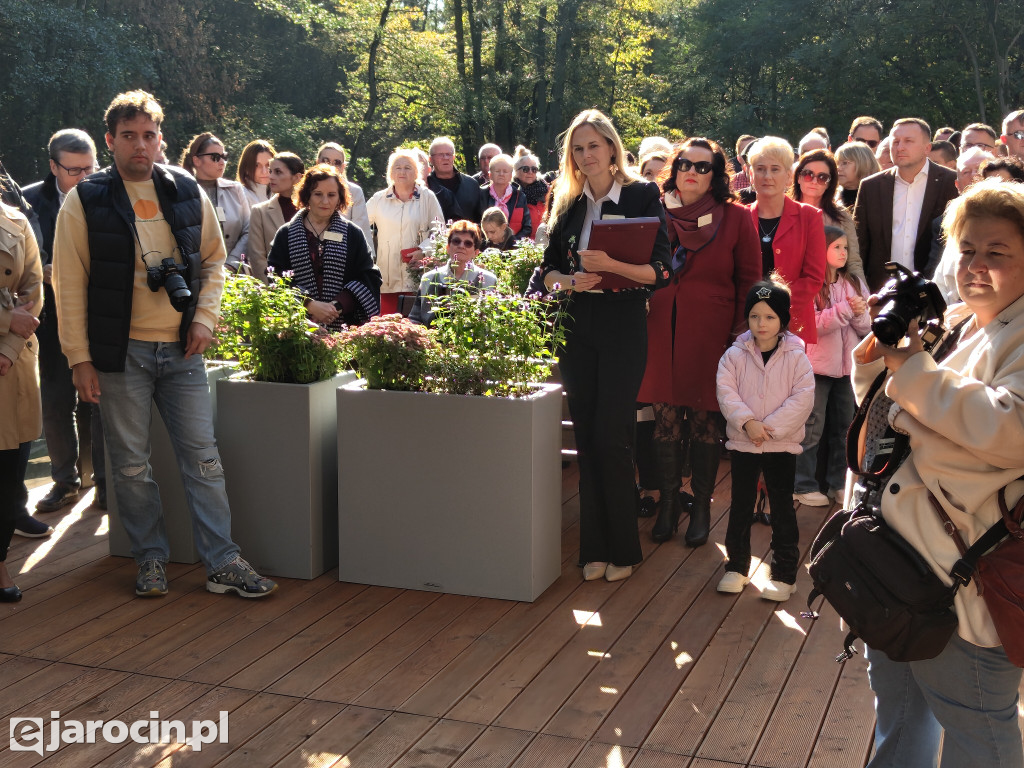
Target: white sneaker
x,y
812,499
732,582
778,591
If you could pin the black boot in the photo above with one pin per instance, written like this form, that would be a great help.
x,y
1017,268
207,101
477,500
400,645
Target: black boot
x,y
704,460
667,457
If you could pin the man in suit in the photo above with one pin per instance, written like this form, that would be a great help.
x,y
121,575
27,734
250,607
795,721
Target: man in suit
x,y
72,158
895,208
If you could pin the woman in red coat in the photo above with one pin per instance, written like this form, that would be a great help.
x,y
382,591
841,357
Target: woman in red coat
x,y
792,234
691,323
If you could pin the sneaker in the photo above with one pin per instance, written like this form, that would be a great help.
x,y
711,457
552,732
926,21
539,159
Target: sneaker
x,y
152,579
778,591
240,577
812,499
31,528
58,497
732,583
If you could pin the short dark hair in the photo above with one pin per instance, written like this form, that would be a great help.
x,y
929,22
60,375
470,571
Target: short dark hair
x,y
719,175
72,140
828,198
866,120
1012,165
291,161
946,148
462,225
304,191
984,128
943,129
746,138
925,128
129,105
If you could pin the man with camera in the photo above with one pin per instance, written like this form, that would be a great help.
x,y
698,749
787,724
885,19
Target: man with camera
x,y
138,275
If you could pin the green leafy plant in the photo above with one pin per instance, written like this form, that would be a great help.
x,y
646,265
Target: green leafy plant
x,y
435,257
391,352
513,268
265,328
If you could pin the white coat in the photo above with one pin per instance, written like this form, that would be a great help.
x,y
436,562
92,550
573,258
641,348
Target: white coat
x,y
401,225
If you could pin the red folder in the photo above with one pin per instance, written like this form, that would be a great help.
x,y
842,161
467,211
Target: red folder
x,y
627,240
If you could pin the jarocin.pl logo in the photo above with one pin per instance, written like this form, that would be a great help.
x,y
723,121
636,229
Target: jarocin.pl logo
x,y
28,733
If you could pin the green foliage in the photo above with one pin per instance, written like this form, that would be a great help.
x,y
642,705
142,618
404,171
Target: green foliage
x,y
513,268
264,328
391,352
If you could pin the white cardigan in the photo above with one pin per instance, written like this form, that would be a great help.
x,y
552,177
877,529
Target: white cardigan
x,y
401,225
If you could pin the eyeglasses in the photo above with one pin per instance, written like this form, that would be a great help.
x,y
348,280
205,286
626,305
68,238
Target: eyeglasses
x,y
873,143
822,178
215,156
75,172
702,167
528,169
1018,135
442,154
456,241
335,163
982,144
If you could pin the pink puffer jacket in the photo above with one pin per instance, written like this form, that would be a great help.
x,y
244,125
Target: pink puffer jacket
x,y
839,331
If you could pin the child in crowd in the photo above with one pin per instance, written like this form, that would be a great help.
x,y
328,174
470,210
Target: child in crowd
x,y
499,234
766,391
842,317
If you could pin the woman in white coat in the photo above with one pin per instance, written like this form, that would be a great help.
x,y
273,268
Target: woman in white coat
x,y
402,215
964,415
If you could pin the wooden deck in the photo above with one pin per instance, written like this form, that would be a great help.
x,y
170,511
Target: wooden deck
x,y
657,671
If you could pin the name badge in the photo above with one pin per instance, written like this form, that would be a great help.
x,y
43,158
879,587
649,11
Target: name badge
x,y
338,237
704,220
221,216
609,216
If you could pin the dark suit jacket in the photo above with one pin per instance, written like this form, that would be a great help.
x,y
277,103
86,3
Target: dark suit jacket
x,y
42,196
464,203
873,213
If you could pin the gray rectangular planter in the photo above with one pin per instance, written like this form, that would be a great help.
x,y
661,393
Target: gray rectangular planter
x,y
450,493
279,447
167,474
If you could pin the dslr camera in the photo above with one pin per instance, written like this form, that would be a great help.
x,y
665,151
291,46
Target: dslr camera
x,y
909,297
172,276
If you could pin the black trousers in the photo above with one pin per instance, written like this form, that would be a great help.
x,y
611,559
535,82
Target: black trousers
x,y
602,365
779,471
13,493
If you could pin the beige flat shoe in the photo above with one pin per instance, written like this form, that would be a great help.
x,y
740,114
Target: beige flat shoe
x,y
594,571
618,572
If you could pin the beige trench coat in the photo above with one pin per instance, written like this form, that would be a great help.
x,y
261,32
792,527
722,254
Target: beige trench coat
x,y
21,281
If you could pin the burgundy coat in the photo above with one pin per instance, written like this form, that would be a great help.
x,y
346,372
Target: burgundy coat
x,y
707,296
800,258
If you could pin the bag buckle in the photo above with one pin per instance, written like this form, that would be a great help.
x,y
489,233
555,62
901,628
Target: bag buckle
x,y
962,572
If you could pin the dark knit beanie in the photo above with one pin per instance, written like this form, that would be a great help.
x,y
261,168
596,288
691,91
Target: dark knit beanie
x,y
771,294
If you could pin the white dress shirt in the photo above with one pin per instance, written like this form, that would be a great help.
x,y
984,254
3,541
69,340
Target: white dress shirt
x,y
907,201
594,210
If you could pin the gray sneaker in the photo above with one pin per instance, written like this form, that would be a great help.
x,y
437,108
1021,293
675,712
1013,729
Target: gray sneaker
x,y
152,579
241,578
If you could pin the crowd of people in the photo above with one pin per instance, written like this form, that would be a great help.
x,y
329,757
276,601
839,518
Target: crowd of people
x,y
745,326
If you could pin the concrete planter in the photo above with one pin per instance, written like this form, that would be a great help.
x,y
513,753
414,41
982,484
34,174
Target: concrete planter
x,y
167,474
279,447
450,493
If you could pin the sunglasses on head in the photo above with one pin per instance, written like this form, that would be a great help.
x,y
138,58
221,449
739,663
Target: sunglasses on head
x,y
701,166
870,142
215,156
822,178
470,243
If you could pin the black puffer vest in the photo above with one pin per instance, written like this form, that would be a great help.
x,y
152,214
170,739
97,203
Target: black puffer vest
x,y
111,220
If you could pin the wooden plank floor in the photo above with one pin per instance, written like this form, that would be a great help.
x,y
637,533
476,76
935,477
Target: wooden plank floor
x,y
656,671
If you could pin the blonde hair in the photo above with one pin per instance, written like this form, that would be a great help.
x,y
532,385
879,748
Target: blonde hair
x,y
989,198
569,185
862,157
494,215
503,158
772,148
412,157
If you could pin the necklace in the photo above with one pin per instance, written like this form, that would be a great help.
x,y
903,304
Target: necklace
x,y
766,237
318,235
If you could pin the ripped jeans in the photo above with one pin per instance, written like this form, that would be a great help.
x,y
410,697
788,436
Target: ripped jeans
x,y
158,372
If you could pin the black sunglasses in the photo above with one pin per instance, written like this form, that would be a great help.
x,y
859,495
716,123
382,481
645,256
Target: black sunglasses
x,y
471,243
1018,135
823,178
528,168
335,163
215,156
870,142
702,167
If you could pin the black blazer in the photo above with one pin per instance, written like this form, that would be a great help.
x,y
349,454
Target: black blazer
x,y
42,196
636,200
873,213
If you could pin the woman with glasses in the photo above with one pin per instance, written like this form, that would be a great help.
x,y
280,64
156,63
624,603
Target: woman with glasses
x,y
715,261
501,193
792,235
332,153
529,179
602,360
254,170
327,253
286,171
206,158
815,184
855,161
403,214
464,241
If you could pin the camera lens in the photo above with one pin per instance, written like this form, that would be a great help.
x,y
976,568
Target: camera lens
x,y
889,327
177,291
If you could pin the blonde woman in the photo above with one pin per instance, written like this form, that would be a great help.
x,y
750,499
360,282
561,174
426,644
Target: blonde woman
x,y
602,361
402,214
855,162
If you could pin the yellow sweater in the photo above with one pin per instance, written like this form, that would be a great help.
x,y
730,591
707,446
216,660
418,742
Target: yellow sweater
x,y
153,317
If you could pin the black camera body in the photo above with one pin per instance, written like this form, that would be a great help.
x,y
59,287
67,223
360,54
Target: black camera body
x,y
173,277
909,297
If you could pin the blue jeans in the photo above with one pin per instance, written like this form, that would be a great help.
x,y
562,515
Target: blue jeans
x,y
159,372
833,400
969,691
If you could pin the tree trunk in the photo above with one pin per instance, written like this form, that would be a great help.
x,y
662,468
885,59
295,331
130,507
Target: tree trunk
x,y
476,39
361,146
542,143
565,22
460,62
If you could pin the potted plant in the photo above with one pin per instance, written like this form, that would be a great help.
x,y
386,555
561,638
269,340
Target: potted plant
x,y
450,479
276,427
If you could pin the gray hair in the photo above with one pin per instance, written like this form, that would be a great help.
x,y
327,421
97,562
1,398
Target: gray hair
x,y
972,154
72,140
485,148
441,141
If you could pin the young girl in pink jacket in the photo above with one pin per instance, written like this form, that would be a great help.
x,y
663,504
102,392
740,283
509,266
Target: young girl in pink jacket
x,y
766,391
842,317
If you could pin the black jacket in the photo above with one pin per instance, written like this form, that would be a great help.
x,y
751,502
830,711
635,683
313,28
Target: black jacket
x,y
43,198
464,203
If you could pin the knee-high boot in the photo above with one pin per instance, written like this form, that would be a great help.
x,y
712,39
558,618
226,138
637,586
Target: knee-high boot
x,y
704,459
667,457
